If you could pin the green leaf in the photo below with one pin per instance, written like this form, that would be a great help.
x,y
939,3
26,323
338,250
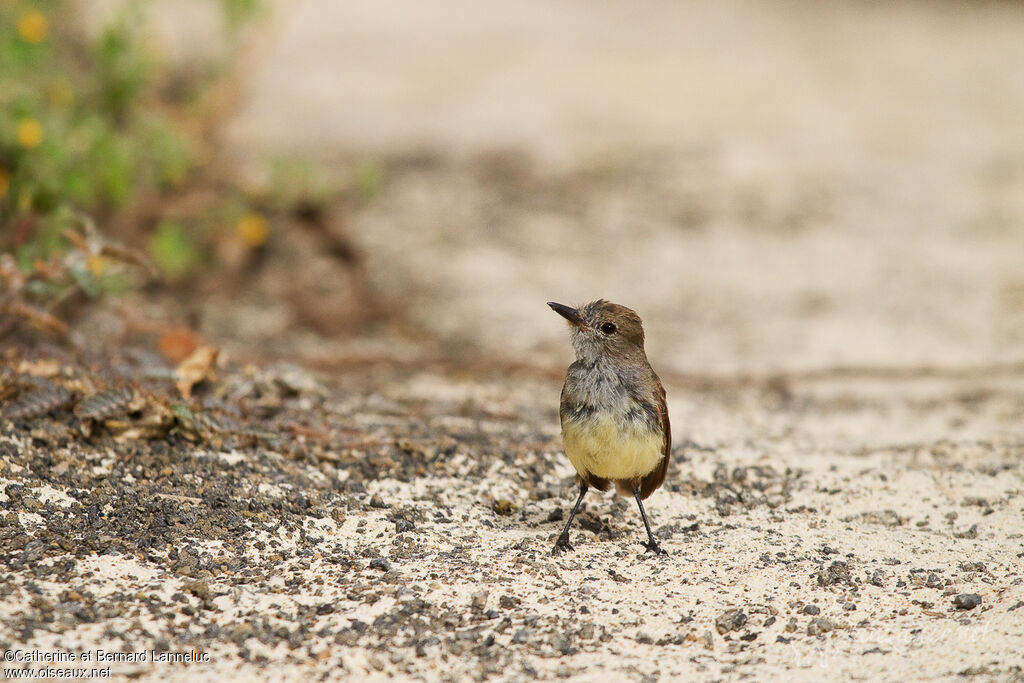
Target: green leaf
x,y
172,249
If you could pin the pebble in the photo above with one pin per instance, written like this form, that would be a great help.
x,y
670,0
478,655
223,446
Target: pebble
x,y
837,572
504,507
811,609
820,625
381,563
730,620
200,589
972,532
965,601
478,601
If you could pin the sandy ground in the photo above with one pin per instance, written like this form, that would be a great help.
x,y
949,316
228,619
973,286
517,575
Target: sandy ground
x,y
819,212
841,517
772,187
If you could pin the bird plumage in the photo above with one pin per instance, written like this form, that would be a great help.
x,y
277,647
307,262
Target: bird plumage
x,y
615,426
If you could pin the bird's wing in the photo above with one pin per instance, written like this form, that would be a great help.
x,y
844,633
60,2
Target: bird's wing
x,y
656,477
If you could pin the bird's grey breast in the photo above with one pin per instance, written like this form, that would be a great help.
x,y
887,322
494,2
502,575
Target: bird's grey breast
x,y
609,390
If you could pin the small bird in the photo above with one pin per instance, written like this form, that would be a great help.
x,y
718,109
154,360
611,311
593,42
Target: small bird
x,y
614,415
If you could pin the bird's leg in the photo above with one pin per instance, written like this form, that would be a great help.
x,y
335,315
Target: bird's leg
x,y
563,540
651,544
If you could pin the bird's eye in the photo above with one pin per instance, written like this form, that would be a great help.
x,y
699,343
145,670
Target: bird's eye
x,y
608,328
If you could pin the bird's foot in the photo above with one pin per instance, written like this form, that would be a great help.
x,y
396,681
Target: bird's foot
x,y
561,545
653,547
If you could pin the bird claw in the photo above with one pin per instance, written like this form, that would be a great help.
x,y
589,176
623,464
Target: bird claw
x,y
561,545
653,547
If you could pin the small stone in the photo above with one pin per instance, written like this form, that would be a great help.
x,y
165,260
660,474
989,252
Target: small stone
x,y
820,625
837,572
878,578
730,620
381,563
555,515
812,610
200,589
521,636
294,380
965,601
562,645
504,507
508,602
377,502
885,517
972,532
242,631
933,580
478,601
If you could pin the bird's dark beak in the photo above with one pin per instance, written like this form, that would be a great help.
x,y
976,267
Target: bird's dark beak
x,y
568,312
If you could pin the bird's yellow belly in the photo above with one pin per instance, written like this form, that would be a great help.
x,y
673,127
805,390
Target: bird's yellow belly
x,y
605,448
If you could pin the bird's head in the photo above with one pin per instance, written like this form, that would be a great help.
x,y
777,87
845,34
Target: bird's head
x,y
603,328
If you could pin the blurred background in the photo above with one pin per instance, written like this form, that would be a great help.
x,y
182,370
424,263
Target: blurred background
x,y
773,186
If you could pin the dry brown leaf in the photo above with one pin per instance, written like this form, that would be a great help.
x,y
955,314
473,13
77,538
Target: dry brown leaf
x,y
77,240
177,343
130,256
198,367
37,317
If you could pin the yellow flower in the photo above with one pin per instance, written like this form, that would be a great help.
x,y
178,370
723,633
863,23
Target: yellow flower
x,y
96,264
5,182
30,133
33,27
252,229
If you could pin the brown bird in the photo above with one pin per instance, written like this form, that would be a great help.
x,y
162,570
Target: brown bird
x,y
615,426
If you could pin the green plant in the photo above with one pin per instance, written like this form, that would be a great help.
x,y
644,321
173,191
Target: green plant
x,y
87,125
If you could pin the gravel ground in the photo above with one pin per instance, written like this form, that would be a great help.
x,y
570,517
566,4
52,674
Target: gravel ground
x,y
397,521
